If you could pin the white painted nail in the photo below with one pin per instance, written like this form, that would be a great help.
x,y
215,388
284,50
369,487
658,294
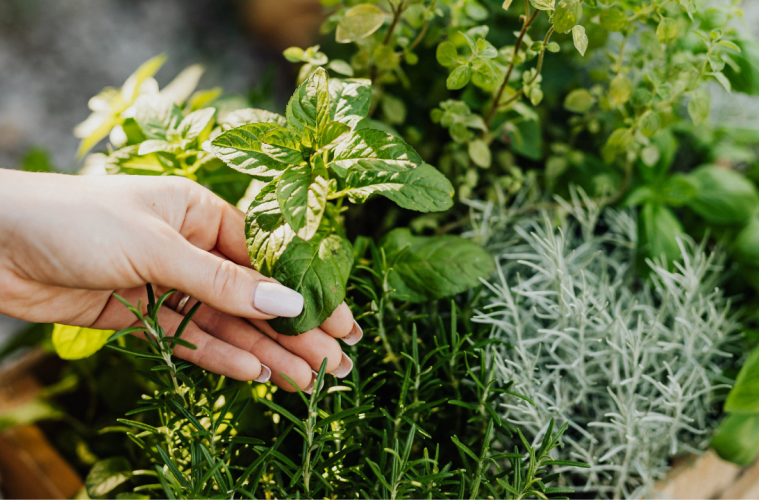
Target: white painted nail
x,y
310,388
265,374
276,299
344,368
355,335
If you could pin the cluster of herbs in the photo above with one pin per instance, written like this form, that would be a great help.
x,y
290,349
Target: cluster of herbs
x,y
635,367
425,426
481,91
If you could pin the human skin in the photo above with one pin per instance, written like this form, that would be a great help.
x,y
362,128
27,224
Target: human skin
x,y
68,242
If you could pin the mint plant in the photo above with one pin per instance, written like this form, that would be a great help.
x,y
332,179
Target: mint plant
x,y
312,160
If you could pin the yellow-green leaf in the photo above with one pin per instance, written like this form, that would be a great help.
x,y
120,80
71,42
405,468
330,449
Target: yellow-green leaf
x,y
359,22
76,342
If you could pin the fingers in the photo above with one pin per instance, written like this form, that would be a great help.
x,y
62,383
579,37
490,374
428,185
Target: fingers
x,y
221,283
341,325
243,335
212,354
312,346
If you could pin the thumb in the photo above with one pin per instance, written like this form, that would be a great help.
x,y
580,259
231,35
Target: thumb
x,y
224,285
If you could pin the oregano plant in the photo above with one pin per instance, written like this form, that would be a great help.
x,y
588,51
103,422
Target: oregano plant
x,y
312,160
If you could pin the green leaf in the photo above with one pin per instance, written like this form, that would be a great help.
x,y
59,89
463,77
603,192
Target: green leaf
x,y
746,244
156,115
192,125
267,233
309,110
698,108
393,109
723,196
620,90
359,22
370,149
246,116
542,4
649,123
479,152
737,439
447,55
302,195
567,15
294,54
106,475
157,146
183,85
579,101
722,79
242,149
430,268
423,189
76,342
613,20
667,30
318,269
349,100
659,229
128,160
744,396
341,67
580,39
459,77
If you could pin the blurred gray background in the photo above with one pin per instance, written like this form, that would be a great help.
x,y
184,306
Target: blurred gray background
x,y
56,54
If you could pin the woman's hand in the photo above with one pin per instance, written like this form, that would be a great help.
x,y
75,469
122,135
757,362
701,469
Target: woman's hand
x,y
67,243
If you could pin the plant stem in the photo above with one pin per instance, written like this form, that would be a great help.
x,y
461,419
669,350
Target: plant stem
x,y
423,32
527,22
397,11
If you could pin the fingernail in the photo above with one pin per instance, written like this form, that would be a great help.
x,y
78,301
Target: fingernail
x,y
265,374
355,335
344,368
276,299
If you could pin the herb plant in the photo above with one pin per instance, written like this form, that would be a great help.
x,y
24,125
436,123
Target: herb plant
x,y
633,366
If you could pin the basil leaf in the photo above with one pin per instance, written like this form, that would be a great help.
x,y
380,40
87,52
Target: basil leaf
x,y
744,396
737,439
349,100
723,196
308,110
423,189
246,116
429,268
302,194
318,269
267,233
658,230
156,115
370,149
242,149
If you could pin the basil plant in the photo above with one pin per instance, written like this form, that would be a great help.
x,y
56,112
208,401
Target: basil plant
x,y
311,160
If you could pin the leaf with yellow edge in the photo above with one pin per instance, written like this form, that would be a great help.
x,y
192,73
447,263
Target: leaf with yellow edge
x,y
76,342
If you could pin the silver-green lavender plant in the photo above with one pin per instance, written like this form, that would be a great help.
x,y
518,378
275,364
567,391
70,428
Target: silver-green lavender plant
x,y
632,366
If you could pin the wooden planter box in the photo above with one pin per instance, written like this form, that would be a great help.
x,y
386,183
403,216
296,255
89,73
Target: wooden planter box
x,y
30,467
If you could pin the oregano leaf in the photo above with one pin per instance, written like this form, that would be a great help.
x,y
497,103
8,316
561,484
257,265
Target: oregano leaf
x,y
424,189
302,195
318,269
567,15
580,39
359,22
542,4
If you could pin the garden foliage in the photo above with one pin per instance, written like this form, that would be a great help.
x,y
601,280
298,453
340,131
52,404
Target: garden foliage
x,y
632,366
616,340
